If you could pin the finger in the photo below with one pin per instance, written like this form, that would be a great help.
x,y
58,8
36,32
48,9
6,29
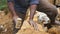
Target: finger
x,y
36,27
31,23
15,20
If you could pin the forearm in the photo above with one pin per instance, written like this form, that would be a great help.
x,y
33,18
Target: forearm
x,y
32,11
11,7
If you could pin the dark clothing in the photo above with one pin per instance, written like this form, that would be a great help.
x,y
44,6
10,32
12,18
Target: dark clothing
x,y
48,8
43,6
22,5
25,2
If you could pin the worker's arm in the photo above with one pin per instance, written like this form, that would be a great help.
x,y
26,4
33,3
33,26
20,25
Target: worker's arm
x,y
32,12
33,6
11,7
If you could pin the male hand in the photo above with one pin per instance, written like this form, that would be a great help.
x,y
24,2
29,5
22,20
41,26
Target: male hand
x,y
17,22
32,23
15,19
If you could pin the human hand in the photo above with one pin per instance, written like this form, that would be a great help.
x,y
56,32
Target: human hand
x,y
17,21
32,23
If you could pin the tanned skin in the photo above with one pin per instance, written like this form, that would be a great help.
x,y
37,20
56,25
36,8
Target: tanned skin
x,y
32,11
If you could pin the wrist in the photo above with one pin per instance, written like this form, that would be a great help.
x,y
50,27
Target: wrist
x,y
14,14
30,19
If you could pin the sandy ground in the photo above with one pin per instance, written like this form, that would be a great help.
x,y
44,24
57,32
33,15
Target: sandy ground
x,y
26,28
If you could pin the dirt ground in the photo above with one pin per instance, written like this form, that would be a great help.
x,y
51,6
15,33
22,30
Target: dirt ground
x,y
26,28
